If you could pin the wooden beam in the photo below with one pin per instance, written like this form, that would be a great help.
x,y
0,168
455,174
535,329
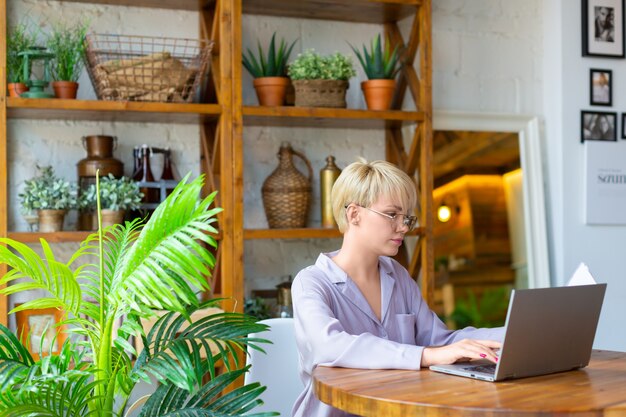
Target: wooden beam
x,y
3,149
426,157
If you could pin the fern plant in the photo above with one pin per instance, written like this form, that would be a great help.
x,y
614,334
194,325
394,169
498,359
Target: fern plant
x,y
379,64
272,65
159,265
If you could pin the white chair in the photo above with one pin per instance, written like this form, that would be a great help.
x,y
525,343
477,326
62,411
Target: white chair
x,y
277,369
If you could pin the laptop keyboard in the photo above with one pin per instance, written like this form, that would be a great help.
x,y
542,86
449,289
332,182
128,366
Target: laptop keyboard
x,y
487,369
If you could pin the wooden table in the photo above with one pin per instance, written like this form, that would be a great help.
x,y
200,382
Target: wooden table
x,y
597,390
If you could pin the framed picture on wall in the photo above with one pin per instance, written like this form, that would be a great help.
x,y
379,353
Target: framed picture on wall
x,y
623,128
603,28
39,332
598,126
601,87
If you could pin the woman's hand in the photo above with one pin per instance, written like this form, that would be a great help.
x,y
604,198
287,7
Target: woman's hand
x,y
460,351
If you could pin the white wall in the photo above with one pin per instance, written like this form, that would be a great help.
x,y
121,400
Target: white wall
x,y
601,247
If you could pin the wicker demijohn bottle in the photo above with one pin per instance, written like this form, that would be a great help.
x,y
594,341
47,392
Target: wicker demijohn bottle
x,y
287,192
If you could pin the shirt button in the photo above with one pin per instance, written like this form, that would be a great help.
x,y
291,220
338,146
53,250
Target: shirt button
x,y
384,334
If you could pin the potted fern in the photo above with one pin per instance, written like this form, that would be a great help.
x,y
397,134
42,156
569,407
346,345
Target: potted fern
x,y
51,196
117,195
18,39
321,81
131,271
269,72
67,43
381,68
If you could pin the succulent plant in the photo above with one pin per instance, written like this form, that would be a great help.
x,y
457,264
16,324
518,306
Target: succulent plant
x,y
272,65
379,64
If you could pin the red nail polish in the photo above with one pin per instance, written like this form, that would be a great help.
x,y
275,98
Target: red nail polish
x,y
482,355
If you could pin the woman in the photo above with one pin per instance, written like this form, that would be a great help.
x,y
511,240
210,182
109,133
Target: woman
x,y
357,307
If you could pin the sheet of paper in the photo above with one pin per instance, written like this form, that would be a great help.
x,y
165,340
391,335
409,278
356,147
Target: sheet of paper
x,y
581,276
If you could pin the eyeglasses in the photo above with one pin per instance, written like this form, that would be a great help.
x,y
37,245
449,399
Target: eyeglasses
x,y
408,221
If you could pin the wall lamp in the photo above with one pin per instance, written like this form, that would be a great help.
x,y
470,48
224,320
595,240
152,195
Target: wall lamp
x,y
447,209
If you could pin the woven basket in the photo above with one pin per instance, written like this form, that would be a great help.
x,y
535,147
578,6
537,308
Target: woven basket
x,y
287,193
145,68
321,93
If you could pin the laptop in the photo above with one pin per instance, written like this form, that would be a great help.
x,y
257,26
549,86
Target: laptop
x,y
547,330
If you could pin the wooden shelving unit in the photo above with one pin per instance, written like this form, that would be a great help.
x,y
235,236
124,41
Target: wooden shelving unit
x,y
222,121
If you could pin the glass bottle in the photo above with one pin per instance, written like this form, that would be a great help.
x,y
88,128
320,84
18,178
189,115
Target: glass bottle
x,y
328,176
150,194
168,174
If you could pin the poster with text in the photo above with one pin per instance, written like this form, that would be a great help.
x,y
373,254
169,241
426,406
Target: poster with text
x,y
605,183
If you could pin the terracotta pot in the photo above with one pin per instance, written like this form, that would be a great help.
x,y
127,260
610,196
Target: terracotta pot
x,y
51,220
15,89
65,89
271,90
111,217
378,93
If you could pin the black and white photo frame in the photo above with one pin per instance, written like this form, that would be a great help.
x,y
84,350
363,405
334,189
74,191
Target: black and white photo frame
x,y
598,125
603,28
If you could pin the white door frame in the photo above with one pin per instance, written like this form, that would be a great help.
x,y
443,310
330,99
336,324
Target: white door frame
x,y
527,128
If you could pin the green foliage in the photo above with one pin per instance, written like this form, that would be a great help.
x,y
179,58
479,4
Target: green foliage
x,y
115,194
312,66
67,43
140,267
272,65
379,64
257,307
489,311
47,192
19,38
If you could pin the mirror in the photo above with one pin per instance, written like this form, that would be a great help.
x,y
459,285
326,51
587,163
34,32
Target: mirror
x,y
526,128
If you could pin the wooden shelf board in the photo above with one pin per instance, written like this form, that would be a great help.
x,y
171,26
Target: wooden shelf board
x,y
328,117
305,233
55,237
381,11
97,110
159,4
370,11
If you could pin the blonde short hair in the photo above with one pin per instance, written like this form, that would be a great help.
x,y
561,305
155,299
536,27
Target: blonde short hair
x,y
365,182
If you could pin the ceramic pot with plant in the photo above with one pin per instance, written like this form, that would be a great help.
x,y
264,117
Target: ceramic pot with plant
x,y
381,68
19,39
136,269
321,81
51,196
117,195
67,44
269,72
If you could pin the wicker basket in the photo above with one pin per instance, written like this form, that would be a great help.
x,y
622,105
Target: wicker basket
x,y
320,93
287,193
144,68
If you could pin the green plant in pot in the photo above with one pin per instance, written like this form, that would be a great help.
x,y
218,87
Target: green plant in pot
x,y
117,195
51,196
321,81
269,71
67,44
381,67
19,39
138,268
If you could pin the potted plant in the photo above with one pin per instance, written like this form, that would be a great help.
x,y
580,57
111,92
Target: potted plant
x,y
269,72
321,81
131,270
381,68
117,195
51,196
18,39
67,44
